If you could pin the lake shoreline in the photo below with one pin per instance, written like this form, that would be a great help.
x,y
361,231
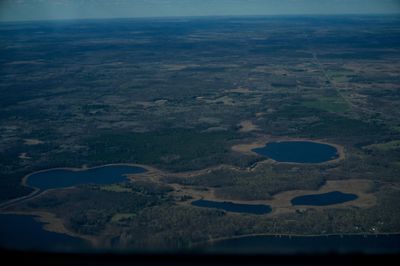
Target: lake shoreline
x,y
203,247
82,168
37,191
51,223
263,140
287,235
244,148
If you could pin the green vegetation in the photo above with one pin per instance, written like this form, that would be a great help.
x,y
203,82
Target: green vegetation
x,y
385,147
330,104
162,224
122,217
315,123
96,206
339,75
172,149
115,188
258,184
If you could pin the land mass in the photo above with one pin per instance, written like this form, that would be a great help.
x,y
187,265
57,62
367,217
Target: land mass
x,y
189,100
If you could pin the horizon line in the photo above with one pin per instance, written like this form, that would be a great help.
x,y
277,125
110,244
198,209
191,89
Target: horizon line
x,y
205,16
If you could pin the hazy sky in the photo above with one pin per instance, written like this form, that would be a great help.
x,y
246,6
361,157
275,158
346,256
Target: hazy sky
x,y
72,9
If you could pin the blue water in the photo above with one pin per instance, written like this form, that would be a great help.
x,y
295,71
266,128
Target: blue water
x,y
59,178
298,151
20,232
334,197
379,244
23,232
233,207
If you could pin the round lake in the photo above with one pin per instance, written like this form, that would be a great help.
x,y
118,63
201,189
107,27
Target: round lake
x,y
59,178
324,199
233,207
298,151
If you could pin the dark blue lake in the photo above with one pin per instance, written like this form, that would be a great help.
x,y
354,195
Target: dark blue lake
x,y
298,151
23,232
233,207
330,198
379,244
58,178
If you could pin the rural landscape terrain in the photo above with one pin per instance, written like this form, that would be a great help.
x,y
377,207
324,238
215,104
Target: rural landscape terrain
x,y
188,101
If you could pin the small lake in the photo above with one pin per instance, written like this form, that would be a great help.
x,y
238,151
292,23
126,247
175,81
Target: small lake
x,y
24,232
233,207
324,199
298,151
373,244
59,178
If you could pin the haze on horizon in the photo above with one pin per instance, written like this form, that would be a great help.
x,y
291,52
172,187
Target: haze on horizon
x,y
25,10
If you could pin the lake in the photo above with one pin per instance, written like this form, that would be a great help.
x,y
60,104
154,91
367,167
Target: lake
x,y
233,207
24,232
379,244
330,198
298,151
59,178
